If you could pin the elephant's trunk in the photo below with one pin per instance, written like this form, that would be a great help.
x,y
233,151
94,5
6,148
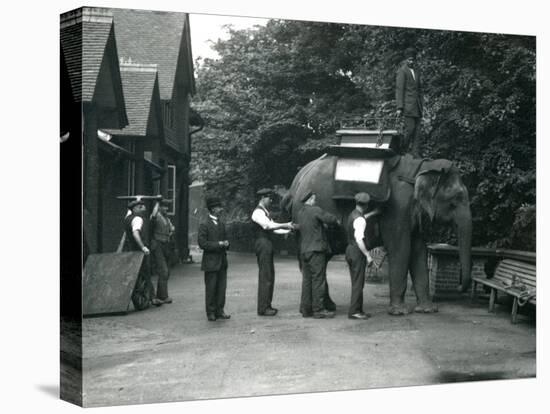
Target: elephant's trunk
x,y
463,221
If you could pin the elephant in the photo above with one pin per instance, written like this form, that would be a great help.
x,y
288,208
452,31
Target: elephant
x,y
419,192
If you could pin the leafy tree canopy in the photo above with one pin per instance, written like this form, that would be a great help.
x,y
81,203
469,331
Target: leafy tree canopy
x,y
274,98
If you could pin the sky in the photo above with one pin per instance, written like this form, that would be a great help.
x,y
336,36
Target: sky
x,y
207,28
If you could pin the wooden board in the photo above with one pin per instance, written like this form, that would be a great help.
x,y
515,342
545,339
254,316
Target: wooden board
x,y
108,281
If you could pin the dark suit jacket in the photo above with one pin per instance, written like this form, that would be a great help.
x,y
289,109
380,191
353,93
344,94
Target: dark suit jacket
x,y
408,91
214,255
313,236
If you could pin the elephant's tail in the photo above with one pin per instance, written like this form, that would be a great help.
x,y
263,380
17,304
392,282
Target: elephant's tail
x,y
286,203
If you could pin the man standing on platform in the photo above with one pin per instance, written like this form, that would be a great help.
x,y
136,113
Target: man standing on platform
x,y
314,248
213,241
408,96
263,247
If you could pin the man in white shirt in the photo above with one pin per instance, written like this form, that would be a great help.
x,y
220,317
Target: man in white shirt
x,y
138,237
263,247
357,255
408,97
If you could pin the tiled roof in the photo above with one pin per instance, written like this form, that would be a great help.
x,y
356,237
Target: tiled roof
x,y
151,37
141,93
84,36
87,42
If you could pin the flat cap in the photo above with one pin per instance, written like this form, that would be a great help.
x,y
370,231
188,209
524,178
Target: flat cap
x,y
362,198
133,203
165,202
213,202
264,192
306,196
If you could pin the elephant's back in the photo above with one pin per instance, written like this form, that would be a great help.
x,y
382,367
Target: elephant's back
x,y
316,176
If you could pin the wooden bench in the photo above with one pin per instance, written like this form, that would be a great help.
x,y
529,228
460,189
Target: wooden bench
x,y
513,277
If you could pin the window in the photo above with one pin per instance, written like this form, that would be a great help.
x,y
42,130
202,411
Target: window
x,y
167,114
131,171
171,188
131,177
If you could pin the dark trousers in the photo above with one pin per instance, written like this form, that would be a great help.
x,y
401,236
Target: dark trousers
x,y
357,263
314,283
410,141
266,273
161,254
216,283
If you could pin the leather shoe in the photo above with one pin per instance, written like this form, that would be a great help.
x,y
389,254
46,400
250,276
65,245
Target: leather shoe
x,y
223,315
268,312
359,315
211,317
156,302
274,309
331,307
324,314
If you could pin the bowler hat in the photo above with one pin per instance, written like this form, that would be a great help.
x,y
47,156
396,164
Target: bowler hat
x,y
306,196
212,202
264,192
410,52
362,198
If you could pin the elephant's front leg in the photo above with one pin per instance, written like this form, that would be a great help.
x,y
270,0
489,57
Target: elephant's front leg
x,y
398,255
419,275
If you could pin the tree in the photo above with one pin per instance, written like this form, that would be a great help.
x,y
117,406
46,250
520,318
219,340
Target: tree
x,y
273,101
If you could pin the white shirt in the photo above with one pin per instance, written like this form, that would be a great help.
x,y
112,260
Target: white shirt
x,y
259,216
214,219
136,224
412,73
359,226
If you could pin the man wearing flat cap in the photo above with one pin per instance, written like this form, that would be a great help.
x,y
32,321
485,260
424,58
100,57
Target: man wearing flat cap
x,y
136,226
314,249
263,247
213,241
163,230
357,255
408,96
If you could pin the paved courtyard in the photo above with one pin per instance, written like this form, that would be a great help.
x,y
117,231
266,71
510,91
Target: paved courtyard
x,y
172,353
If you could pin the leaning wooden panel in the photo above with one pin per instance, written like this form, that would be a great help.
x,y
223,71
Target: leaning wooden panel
x,y
108,282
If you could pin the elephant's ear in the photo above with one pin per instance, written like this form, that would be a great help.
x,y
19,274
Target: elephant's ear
x,y
425,187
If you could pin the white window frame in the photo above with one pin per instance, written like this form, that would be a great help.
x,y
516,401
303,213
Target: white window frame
x,y
131,184
171,192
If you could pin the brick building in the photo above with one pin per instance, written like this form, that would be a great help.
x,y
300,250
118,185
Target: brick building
x,y
163,39
90,75
126,82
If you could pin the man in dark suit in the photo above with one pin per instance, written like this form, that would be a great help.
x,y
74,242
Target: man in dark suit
x,y
408,96
212,239
314,248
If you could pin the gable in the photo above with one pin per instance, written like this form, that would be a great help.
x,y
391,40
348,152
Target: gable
x,y
151,37
90,55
